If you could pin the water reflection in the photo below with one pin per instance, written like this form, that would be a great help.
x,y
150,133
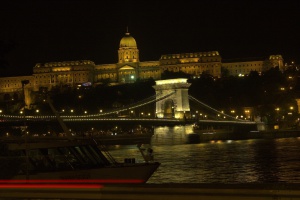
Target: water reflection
x,y
241,161
165,135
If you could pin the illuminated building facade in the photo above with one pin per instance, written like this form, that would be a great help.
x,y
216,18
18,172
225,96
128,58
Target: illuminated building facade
x,y
128,69
241,67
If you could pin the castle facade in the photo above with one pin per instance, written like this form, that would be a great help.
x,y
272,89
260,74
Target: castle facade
x,y
128,69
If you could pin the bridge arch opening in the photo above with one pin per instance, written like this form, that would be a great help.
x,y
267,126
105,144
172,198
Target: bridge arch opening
x,y
168,108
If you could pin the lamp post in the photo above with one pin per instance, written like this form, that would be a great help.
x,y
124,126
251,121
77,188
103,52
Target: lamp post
x,y
298,104
25,82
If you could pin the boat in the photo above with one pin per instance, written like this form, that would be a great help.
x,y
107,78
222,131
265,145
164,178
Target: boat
x,y
222,130
69,159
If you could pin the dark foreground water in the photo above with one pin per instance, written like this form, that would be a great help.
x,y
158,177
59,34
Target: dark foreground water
x,y
242,161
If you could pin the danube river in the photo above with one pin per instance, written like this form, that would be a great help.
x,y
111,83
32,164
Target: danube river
x,y
240,161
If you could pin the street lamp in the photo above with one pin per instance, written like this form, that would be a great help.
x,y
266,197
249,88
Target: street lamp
x,y
24,82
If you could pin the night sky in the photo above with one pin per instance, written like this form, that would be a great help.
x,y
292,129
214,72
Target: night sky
x,y
53,31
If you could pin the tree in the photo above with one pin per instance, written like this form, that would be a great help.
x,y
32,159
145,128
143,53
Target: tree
x,y
170,75
224,72
267,65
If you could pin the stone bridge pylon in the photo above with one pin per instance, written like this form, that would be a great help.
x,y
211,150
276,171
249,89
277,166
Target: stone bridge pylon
x,y
176,104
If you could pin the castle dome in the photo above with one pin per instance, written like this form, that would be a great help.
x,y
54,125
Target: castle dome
x,y
128,41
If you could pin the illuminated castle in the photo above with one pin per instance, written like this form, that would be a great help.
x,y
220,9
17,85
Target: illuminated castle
x,y
128,69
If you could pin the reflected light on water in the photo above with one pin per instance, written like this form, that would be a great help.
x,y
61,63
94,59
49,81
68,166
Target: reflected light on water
x,y
228,161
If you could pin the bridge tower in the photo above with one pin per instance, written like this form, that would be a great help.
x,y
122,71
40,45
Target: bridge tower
x,y
176,101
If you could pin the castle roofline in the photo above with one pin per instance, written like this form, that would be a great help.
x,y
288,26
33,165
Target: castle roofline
x,y
65,63
190,55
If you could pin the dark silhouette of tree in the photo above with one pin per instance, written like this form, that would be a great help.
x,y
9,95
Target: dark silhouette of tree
x,y
170,75
267,65
224,72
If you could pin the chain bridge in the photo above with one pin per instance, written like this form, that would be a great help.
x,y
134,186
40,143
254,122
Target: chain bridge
x,y
170,105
